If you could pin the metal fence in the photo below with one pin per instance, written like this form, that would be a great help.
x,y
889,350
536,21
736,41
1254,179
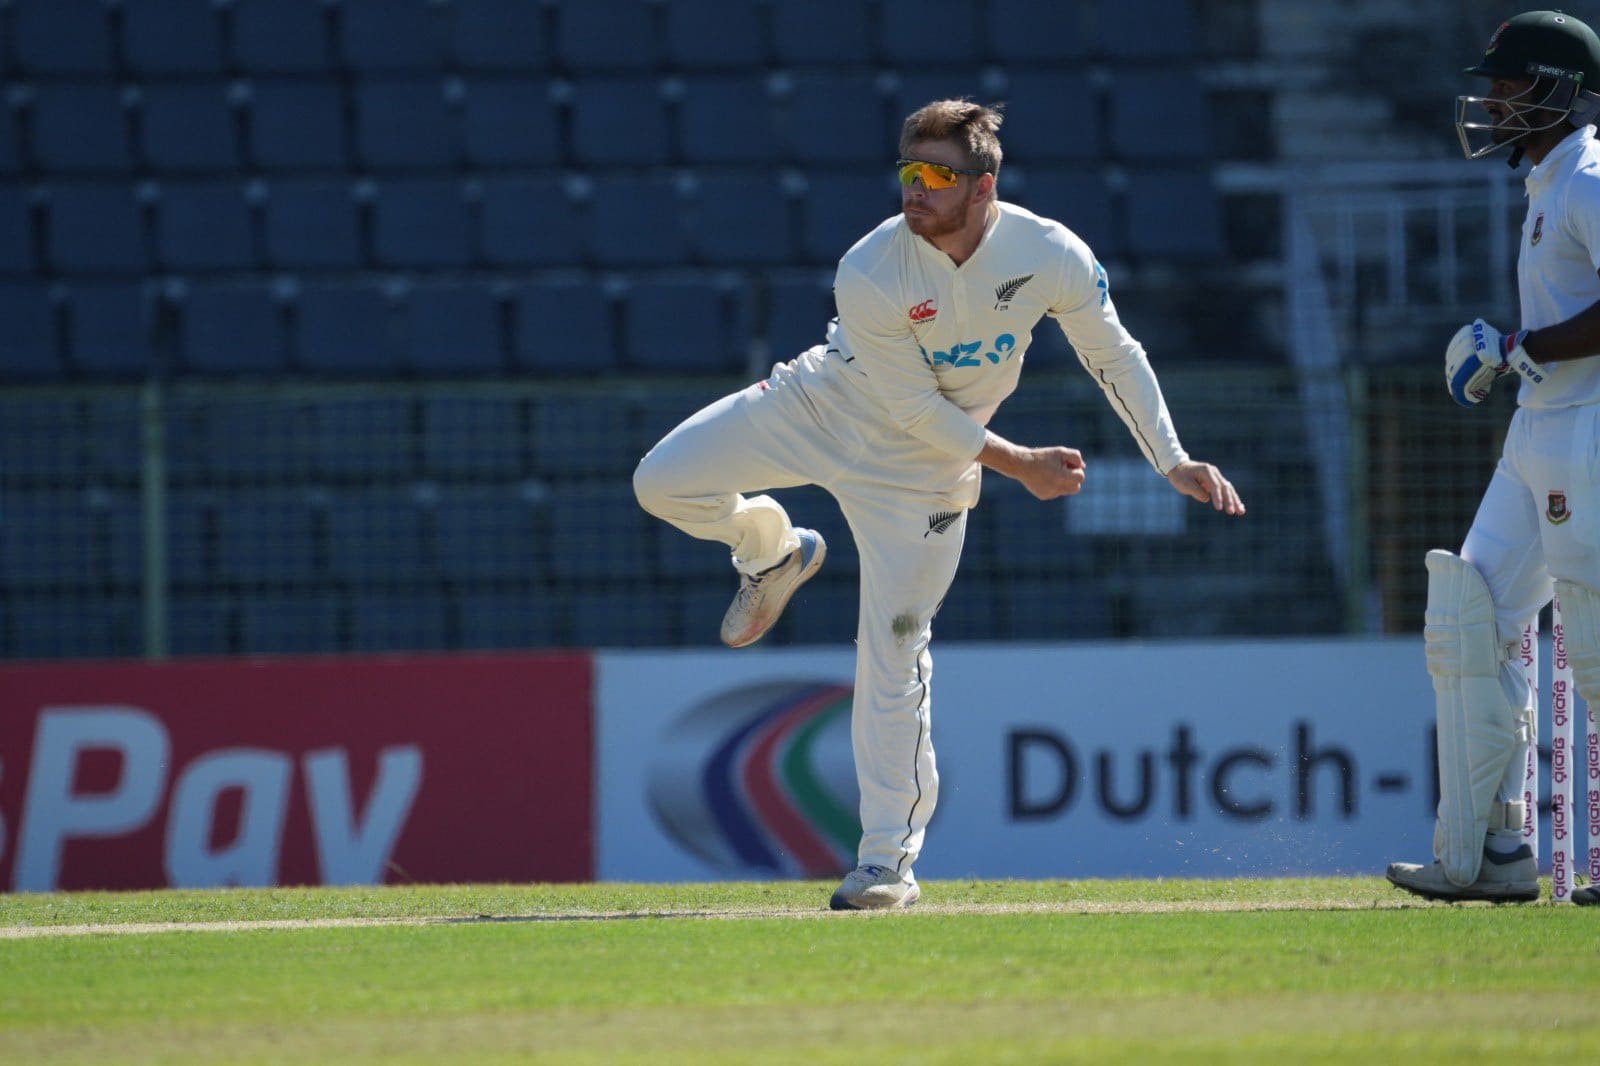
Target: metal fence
x,y
203,519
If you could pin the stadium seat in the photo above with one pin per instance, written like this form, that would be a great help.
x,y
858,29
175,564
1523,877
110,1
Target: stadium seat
x,y
681,326
254,438
312,223
606,35
201,624
728,118
189,128
1159,116
621,618
507,620
1079,200
583,437
684,558
598,532
281,36
421,223
621,121
832,34
393,35
268,537
29,344
714,34
918,86
111,329
473,438
113,438
511,124
90,626
16,231
10,144
398,623
1024,31
1032,533
233,329
404,125
62,38
1145,29
530,221
930,33
563,328
500,35
166,37
822,612
797,311
1060,609
840,209
346,330
837,117
453,329
488,534
375,537
1174,214
24,463
81,129
50,540
968,612
637,221
297,126
365,440
191,537
741,219
1051,116
286,624
96,229
204,226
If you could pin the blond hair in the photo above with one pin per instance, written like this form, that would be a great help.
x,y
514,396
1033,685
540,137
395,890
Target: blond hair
x,y
969,126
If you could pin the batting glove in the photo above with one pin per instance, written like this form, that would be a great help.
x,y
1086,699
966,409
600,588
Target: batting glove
x,y
1479,354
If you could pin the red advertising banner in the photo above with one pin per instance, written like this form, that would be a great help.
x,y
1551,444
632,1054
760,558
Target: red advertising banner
x,y
296,771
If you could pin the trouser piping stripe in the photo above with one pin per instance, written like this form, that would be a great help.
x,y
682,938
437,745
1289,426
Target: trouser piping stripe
x,y
916,762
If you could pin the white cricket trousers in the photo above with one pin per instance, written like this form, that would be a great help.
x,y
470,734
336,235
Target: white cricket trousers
x,y
797,429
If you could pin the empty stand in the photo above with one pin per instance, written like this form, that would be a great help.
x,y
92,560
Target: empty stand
x,y
832,34
297,125
530,221
111,329
53,539
16,231
281,36
919,85
404,124
840,209
1051,116
421,223
375,537
598,533
583,437
398,623
287,623
637,221
1145,29
682,326
535,619
172,37
1173,213
506,35
1159,114
728,118
606,35
489,534
796,313
473,438
189,128
96,229
268,537
1024,31
394,35
365,440
929,33
508,123
562,328
742,219
823,612
621,618
201,625
714,34
232,329
346,329
1078,199
619,121
453,329
81,129
70,38
205,226
833,117
312,223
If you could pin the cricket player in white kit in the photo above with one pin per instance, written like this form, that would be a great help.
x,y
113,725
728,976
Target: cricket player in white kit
x,y
936,308
1537,529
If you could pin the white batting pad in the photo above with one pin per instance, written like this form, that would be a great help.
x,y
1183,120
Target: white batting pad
x,y
1580,614
1477,726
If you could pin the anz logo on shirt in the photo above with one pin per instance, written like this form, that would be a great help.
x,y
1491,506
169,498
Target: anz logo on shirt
x,y
968,354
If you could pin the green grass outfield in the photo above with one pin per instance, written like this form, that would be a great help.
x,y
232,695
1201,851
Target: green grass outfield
x,y
1326,970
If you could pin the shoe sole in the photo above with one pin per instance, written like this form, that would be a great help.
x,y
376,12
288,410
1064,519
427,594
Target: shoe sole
x,y
806,574
839,903
1510,892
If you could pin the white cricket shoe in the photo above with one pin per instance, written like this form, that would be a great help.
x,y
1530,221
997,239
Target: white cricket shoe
x,y
1512,878
875,888
762,597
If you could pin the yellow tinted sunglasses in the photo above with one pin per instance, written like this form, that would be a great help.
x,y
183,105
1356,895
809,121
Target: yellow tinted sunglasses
x,y
932,175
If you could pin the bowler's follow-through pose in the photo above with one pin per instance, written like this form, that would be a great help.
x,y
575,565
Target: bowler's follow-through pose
x,y
936,308
1538,526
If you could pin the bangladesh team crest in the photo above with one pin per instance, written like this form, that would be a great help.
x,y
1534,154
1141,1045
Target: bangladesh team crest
x,y
1556,508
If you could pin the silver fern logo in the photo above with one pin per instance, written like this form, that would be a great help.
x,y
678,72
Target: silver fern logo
x,y
940,521
1008,291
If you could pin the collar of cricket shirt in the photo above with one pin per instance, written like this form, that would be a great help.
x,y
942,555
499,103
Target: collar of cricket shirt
x,y
1572,143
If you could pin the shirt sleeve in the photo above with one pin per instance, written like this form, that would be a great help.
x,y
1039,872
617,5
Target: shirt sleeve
x,y
895,369
1085,313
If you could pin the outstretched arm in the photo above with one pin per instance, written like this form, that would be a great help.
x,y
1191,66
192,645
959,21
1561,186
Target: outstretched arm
x,y
1204,482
